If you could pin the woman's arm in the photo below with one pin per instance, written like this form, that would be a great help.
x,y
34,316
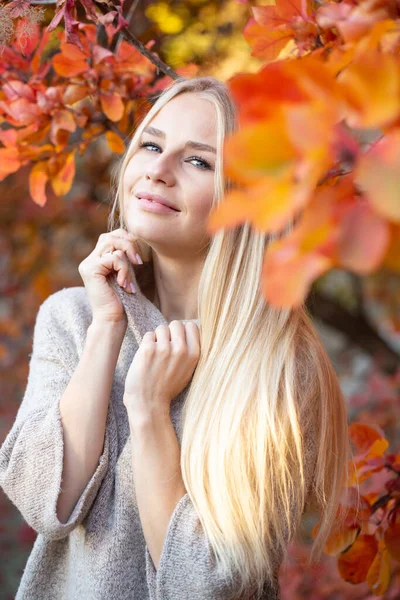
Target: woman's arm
x,y
157,475
83,409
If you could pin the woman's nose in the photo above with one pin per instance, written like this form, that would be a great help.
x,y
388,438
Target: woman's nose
x,y
160,169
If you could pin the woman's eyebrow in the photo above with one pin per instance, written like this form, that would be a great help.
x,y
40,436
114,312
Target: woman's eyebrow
x,y
190,143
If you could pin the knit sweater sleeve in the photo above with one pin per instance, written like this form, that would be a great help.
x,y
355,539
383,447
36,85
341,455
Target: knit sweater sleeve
x,y
31,457
187,567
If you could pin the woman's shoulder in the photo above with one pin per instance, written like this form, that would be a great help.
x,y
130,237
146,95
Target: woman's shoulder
x,y
67,301
67,309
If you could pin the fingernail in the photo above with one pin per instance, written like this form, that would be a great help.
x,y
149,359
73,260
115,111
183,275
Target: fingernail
x,y
125,283
139,259
133,288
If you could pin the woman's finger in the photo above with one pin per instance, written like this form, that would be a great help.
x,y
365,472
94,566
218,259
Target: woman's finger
x,y
112,241
193,339
117,261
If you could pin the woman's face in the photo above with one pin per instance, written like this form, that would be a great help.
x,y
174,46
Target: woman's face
x,y
182,174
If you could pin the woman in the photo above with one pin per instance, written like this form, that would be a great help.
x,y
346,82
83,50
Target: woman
x,y
139,484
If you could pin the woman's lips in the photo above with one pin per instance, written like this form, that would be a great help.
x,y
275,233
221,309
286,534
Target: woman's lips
x,y
155,207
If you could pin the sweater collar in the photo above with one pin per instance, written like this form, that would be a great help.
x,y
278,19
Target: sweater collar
x,y
141,313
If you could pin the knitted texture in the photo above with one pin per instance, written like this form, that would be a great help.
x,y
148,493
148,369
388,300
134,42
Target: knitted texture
x,y
101,552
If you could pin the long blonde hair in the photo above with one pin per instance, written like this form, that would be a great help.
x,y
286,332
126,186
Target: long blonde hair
x,y
265,431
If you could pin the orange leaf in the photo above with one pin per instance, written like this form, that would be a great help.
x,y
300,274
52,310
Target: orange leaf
x,y
378,576
62,181
392,257
280,13
392,539
256,94
62,119
355,563
363,436
364,238
340,540
371,497
268,205
371,89
29,153
247,158
377,449
115,142
73,93
286,283
93,130
378,174
8,137
130,60
112,106
9,161
37,182
266,43
21,112
70,61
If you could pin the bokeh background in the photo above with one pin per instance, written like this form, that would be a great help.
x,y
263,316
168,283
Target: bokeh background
x,y
41,248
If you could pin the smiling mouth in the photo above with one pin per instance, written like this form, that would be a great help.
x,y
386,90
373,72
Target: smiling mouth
x,y
162,206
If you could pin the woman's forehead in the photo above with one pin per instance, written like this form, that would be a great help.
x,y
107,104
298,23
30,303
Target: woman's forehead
x,y
190,111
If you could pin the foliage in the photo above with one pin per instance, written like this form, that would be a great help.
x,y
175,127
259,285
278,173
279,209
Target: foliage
x,y
318,146
371,535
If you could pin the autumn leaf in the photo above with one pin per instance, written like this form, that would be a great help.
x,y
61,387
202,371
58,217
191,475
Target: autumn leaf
x,y
392,540
355,563
378,576
256,94
38,178
363,240
392,258
9,161
340,540
266,44
115,142
70,61
259,150
74,92
61,182
299,273
363,436
378,174
62,119
371,90
112,106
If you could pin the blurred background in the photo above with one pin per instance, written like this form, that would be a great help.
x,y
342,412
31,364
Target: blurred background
x,y
41,247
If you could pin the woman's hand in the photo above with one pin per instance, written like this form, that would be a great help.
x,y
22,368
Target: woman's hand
x,y
162,367
113,252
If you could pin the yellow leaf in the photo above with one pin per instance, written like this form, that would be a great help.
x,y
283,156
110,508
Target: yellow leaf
x,y
38,178
378,576
62,181
115,142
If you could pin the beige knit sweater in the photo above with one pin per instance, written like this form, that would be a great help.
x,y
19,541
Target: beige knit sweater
x,y
101,552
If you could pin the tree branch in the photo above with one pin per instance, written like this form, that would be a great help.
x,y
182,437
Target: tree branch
x,y
161,66
356,327
128,35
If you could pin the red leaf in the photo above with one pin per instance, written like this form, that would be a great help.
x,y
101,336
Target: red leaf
x,y
363,435
355,563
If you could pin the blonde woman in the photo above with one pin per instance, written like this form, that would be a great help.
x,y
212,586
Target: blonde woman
x,y
174,427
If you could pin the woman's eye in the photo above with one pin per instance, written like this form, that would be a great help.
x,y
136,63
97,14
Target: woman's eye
x,y
204,162
145,144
